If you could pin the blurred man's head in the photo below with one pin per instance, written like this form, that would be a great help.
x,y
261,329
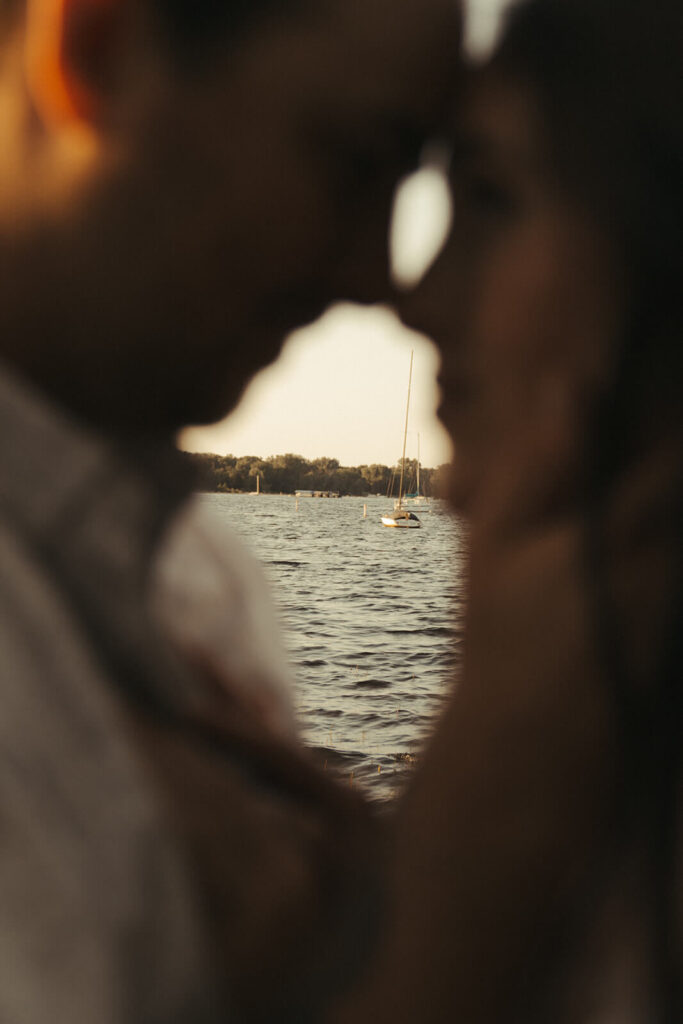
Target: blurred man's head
x,y
182,182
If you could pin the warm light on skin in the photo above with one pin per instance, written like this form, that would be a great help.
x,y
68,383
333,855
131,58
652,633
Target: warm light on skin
x,y
44,28
51,133
60,94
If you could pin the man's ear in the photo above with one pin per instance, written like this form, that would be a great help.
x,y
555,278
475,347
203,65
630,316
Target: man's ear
x,y
71,53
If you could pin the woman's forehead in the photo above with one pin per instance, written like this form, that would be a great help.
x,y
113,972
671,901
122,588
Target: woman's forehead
x,y
498,118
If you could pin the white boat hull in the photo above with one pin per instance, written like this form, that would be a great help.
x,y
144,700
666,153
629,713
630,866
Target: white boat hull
x,y
401,523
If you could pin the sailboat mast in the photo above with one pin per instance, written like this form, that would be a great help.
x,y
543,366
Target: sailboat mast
x,y
405,432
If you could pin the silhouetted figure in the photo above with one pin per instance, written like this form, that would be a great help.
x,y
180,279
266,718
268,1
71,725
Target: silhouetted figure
x,y
182,182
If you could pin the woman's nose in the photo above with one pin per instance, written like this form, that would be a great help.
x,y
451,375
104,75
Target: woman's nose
x,y
422,252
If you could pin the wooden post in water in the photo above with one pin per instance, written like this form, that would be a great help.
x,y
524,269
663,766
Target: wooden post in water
x,y
365,511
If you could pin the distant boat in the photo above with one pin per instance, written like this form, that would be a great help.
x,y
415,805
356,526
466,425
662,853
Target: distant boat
x,y
316,494
401,517
416,501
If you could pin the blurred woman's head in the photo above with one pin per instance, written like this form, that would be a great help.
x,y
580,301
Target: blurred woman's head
x,y
557,306
568,240
605,85
608,82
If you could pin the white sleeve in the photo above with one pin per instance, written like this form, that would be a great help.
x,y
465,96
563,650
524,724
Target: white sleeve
x,y
98,921
212,600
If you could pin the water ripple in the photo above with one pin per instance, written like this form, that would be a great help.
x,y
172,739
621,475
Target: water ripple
x,y
372,619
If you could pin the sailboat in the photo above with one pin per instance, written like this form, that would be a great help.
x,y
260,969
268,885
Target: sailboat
x,y
416,501
401,517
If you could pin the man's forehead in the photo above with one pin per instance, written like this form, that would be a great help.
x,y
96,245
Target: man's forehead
x,y
414,33
359,52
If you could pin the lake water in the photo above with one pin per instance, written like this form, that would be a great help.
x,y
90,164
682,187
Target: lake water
x,y
372,617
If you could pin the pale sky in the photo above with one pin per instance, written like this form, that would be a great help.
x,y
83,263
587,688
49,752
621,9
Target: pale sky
x,y
339,388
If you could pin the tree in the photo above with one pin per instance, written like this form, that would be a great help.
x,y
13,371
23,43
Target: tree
x,y
289,473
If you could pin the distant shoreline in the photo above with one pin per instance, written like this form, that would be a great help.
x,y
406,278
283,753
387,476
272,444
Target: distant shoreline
x,y
286,474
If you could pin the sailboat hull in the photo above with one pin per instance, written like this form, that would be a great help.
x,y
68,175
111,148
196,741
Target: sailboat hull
x,y
401,522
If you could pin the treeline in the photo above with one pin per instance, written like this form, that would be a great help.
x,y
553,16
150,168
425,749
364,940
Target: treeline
x,y
284,474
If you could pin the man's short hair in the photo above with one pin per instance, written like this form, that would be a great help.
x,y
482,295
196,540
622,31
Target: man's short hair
x,y
197,20
193,26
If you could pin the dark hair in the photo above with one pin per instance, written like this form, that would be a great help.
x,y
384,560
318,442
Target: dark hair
x,y
194,27
197,26
608,79
608,76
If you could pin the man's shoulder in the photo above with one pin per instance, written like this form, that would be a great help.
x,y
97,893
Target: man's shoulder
x,y
60,726
90,881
